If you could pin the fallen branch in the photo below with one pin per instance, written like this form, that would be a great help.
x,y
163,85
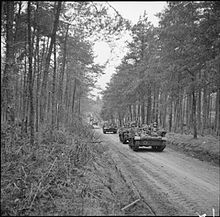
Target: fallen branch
x,y
130,204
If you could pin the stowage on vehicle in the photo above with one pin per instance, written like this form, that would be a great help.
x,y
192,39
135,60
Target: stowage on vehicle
x,y
146,135
109,127
123,133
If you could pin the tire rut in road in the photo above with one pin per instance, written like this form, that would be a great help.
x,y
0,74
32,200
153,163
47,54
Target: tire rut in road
x,y
151,196
145,206
157,188
162,185
183,192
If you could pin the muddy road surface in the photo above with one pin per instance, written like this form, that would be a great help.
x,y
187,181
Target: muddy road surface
x,y
169,182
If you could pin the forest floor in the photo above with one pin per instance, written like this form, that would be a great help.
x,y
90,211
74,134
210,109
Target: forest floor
x,y
205,148
68,173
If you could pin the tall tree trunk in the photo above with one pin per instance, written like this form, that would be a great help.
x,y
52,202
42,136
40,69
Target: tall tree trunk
x,y
157,104
54,89
130,112
142,111
67,95
41,110
175,114
205,108
164,109
217,104
25,107
139,112
38,77
79,106
194,115
149,105
30,79
171,115
210,114
134,112
199,111
217,112
61,78
189,112
47,64
7,92
74,96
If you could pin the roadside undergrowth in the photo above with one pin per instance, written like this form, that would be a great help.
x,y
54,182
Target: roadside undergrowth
x,y
205,148
67,172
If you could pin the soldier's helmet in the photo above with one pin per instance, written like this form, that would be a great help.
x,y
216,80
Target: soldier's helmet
x,y
155,124
133,124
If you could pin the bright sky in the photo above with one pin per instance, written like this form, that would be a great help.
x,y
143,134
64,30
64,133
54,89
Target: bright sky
x,y
130,10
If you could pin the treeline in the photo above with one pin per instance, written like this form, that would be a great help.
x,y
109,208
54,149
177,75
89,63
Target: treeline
x,y
171,73
47,59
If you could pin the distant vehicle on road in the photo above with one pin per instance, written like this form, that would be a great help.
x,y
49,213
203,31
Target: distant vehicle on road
x,y
109,127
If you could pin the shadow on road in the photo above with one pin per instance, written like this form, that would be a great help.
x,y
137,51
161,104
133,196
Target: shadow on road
x,y
144,149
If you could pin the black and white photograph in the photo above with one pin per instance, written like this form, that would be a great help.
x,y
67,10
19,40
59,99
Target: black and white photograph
x,y
110,108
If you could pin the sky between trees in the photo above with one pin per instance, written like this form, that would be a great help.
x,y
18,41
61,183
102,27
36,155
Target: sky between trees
x,y
130,10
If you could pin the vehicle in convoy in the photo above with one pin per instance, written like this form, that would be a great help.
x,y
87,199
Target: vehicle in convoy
x,y
123,133
109,128
146,135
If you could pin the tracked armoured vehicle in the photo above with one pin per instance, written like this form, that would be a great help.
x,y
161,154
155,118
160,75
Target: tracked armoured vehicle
x,y
109,127
147,135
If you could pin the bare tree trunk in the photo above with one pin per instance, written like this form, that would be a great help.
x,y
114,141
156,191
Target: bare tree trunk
x,y
67,95
210,114
171,115
164,109
205,108
149,105
47,64
60,90
217,115
40,108
7,90
199,111
157,104
79,104
38,77
134,112
194,115
74,93
130,112
188,112
54,89
217,104
175,114
142,111
30,79
25,101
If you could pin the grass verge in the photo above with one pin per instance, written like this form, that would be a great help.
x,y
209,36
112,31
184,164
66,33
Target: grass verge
x,y
205,148
67,172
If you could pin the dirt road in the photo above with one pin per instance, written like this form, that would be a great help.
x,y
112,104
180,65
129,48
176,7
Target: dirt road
x,y
169,182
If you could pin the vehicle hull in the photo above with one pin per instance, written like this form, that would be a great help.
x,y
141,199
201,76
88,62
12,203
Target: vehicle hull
x,y
157,144
109,130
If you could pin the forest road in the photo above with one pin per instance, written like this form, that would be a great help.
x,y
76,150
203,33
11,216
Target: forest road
x,y
169,182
